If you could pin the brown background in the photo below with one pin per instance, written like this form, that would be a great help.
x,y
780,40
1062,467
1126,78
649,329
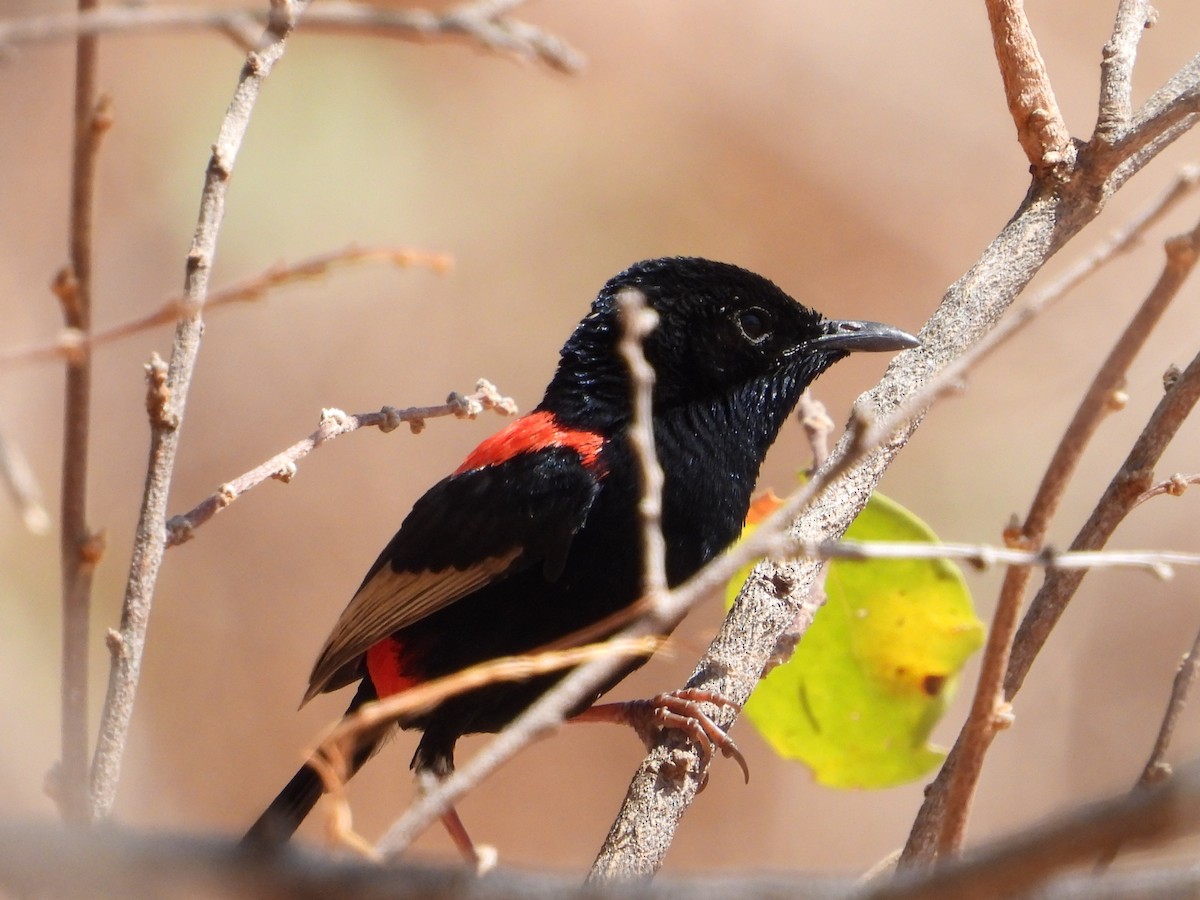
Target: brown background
x,y
857,153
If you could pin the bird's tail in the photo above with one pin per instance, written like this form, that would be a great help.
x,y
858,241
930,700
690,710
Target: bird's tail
x,y
281,819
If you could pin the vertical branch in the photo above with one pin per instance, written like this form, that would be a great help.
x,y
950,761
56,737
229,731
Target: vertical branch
x,y
79,552
637,321
1116,69
165,400
1040,127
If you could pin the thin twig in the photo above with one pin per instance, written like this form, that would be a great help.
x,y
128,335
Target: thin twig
x,y
18,477
483,23
1157,769
1126,486
166,398
1040,127
334,423
985,556
637,321
817,426
1174,486
71,344
80,549
950,795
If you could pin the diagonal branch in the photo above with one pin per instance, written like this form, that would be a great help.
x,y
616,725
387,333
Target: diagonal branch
x,y
940,826
166,400
334,423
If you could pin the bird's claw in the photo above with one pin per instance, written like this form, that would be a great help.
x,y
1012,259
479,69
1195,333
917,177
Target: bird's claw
x,y
681,711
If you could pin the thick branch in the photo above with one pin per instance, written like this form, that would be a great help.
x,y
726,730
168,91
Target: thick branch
x,y
1040,127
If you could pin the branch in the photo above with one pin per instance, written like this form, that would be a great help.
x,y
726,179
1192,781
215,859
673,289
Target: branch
x,y
1157,769
80,549
1040,127
334,423
1015,866
637,321
941,824
1118,499
1116,68
983,556
42,861
72,344
166,398
1051,601
1175,486
483,22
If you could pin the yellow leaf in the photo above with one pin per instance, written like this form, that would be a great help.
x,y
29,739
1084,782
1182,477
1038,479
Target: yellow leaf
x,y
872,675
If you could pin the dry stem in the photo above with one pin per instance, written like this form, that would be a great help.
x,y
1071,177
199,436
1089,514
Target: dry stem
x,y
1040,127
986,718
74,289
72,344
334,423
484,24
150,536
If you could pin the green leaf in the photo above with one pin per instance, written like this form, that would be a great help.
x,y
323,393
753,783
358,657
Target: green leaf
x,y
874,672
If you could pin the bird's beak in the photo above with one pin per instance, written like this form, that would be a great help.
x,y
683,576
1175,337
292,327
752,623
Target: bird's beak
x,y
857,337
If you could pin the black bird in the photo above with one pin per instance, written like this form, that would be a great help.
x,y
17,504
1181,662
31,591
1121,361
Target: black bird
x,y
536,535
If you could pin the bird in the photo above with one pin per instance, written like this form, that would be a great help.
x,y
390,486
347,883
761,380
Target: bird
x,y
535,535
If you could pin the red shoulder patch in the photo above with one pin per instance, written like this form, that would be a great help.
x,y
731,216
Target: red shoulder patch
x,y
536,431
392,670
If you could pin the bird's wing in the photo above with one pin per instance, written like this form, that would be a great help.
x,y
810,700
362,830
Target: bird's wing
x,y
467,531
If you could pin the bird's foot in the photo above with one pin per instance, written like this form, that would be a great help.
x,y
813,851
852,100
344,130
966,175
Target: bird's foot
x,y
678,710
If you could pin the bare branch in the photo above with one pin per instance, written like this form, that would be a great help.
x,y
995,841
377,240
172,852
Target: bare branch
x,y
41,861
72,344
1116,68
73,287
637,321
1157,769
951,796
150,536
817,426
334,423
1014,866
483,23
1124,489
983,556
1170,112
1040,127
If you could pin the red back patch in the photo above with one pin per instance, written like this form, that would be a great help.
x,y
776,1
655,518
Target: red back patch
x,y
528,434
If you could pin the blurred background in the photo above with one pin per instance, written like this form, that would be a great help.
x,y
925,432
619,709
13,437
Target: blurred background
x,y
859,154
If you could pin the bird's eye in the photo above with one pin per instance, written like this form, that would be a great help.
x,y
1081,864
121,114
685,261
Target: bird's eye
x,y
755,324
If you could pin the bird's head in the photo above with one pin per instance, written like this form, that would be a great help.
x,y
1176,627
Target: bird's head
x,y
721,329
